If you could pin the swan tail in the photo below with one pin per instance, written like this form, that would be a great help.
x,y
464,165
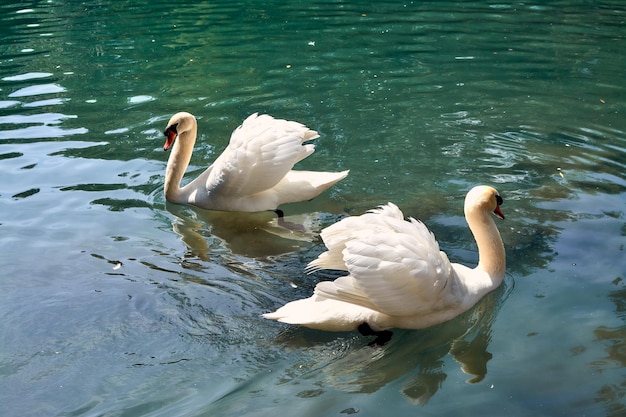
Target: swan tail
x,y
294,312
322,314
306,185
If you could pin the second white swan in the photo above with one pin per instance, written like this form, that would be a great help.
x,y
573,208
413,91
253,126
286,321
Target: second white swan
x,y
254,173
398,277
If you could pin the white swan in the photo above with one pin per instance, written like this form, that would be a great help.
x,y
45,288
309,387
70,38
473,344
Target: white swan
x,y
398,277
254,173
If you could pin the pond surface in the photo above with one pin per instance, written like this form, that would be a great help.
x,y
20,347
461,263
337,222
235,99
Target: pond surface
x,y
114,303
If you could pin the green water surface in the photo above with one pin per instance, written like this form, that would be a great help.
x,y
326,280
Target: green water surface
x,y
114,303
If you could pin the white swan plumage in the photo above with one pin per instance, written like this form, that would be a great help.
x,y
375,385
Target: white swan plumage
x,y
254,173
397,276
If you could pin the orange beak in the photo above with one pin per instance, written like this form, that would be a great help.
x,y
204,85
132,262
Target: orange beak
x,y
170,137
498,213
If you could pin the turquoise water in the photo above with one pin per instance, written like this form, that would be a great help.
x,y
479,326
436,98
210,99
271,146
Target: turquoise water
x,y
114,303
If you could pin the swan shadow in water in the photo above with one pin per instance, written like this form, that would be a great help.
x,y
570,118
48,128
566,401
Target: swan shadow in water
x,y
414,356
254,234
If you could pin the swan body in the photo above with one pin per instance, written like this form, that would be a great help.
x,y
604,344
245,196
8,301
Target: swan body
x,y
397,276
254,173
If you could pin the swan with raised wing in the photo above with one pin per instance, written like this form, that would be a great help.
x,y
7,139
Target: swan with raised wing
x,y
254,173
397,276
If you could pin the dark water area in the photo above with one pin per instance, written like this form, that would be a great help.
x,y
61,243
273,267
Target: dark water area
x,y
116,303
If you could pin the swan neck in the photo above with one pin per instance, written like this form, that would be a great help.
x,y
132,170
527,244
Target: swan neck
x,y
177,165
491,254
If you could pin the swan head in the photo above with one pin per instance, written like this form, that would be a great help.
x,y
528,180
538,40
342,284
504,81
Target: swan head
x,y
485,198
180,123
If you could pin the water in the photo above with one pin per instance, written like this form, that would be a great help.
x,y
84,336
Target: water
x,y
117,304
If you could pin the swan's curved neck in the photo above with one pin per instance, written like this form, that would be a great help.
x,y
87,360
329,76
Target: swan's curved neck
x,y
177,165
491,255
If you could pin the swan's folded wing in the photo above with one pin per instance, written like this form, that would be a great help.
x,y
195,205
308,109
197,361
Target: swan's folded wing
x,y
260,153
402,273
335,238
336,235
343,289
348,227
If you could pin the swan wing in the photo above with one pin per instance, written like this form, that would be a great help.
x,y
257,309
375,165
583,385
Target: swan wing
x,y
349,228
260,153
400,272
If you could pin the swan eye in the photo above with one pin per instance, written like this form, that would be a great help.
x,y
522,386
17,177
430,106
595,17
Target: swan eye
x,y
499,200
171,128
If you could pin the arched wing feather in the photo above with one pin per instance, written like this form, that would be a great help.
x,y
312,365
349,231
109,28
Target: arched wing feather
x,y
400,272
260,153
349,228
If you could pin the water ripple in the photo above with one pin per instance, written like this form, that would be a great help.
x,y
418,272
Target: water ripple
x,y
45,126
117,303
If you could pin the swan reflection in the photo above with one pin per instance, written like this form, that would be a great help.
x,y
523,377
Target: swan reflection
x,y
614,340
249,234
